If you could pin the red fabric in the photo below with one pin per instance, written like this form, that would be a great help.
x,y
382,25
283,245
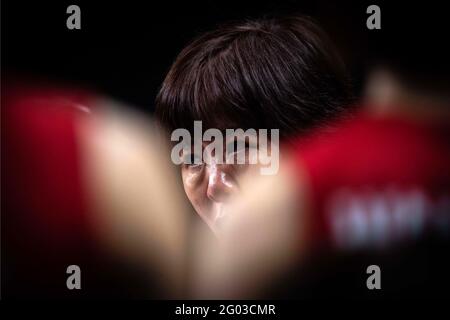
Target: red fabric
x,y
383,168
45,220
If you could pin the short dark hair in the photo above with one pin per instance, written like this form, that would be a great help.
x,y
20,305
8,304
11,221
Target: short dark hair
x,y
281,73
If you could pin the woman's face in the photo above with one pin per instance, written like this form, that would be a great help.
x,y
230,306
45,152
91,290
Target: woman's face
x,y
210,184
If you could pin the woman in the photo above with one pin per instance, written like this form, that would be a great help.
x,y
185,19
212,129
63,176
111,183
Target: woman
x,y
279,73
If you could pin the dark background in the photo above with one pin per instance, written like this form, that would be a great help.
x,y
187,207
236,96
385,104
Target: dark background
x,y
125,48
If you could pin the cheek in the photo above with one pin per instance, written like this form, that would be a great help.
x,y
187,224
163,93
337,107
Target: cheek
x,y
195,188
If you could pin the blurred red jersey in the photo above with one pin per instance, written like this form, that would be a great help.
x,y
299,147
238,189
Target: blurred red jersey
x,y
48,210
44,207
378,181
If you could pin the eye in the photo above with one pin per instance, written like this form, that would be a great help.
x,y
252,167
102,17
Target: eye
x,y
234,148
192,160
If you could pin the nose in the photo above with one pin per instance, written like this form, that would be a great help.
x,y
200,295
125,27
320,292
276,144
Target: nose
x,y
220,183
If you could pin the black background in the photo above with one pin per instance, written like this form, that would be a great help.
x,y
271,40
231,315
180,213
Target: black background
x,y
125,48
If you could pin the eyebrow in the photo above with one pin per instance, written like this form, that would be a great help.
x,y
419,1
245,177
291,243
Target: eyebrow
x,y
247,144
